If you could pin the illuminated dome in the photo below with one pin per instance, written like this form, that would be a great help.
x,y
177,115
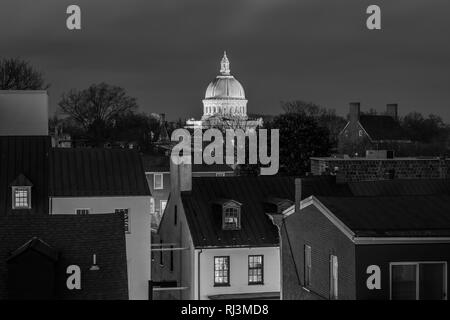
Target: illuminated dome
x,y
225,86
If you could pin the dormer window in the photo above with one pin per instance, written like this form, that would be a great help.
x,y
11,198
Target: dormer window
x,y
231,216
21,193
21,197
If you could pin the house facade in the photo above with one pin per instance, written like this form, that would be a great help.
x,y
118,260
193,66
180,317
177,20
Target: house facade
x,y
157,172
89,181
216,238
369,245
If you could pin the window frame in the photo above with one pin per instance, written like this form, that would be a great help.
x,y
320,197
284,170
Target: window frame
x,y
82,209
27,189
334,281
126,218
162,181
417,264
222,284
307,266
238,216
261,282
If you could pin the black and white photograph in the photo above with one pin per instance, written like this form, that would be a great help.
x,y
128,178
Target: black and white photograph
x,y
242,152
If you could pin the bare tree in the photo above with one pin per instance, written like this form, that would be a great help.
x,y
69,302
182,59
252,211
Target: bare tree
x,y
16,74
99,105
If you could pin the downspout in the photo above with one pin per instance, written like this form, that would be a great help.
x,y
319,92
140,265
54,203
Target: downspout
x,y
198,273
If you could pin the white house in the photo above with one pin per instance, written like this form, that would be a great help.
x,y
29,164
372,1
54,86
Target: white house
x,y
97,181
216,238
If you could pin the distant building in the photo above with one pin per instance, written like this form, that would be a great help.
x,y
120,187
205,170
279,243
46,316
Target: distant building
x,y
371,132
372,240
381,165
217,240
225,104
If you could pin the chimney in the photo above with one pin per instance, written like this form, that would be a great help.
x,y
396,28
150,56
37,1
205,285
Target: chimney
x,y
162,118
392,110
354,111
181,176
298,194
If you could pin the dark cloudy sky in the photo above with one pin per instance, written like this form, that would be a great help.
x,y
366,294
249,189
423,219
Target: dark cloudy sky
x,y
165,52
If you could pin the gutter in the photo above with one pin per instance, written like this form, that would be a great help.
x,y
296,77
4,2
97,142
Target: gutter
x,y
198,273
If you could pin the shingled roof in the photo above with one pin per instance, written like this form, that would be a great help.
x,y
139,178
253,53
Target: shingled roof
x,y
256,228
382,128
392,216
96,172
75,238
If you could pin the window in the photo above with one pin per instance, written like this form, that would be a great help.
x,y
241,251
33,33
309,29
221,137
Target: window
x,y
158,181
82,212
221,271
256,269
360,133
152,205
220,174
418,281
126,219
307,266
163,204
333,278
21,197
175,215
231,218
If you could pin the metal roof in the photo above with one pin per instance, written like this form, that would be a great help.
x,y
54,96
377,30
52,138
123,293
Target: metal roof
x,y
88,172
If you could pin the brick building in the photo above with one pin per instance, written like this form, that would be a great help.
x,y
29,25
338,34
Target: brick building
x,y
371,240
374,167
371,132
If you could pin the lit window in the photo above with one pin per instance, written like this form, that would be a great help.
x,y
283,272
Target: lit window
x,y
333,278
307,266
231,218
221,271
158,181
82,212
220,174
256,269
126,219
21,197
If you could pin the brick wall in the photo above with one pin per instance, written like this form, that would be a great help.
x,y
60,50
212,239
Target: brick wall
x,y
350,170
312,228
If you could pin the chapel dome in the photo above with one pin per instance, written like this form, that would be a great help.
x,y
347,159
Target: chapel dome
x,y
225,86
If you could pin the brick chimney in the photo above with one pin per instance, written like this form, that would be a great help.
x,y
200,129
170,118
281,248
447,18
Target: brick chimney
x,y
392,110
354,111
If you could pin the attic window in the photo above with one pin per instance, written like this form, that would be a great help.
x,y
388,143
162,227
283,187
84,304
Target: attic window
x,y
231,217
21,197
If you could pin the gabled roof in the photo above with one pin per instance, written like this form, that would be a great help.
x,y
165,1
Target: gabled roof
x,y
382,127
75,239
398,216
256,228
21,181
81,172
37,245
26,156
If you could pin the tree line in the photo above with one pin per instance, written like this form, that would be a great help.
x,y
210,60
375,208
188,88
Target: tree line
x,y
104,113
